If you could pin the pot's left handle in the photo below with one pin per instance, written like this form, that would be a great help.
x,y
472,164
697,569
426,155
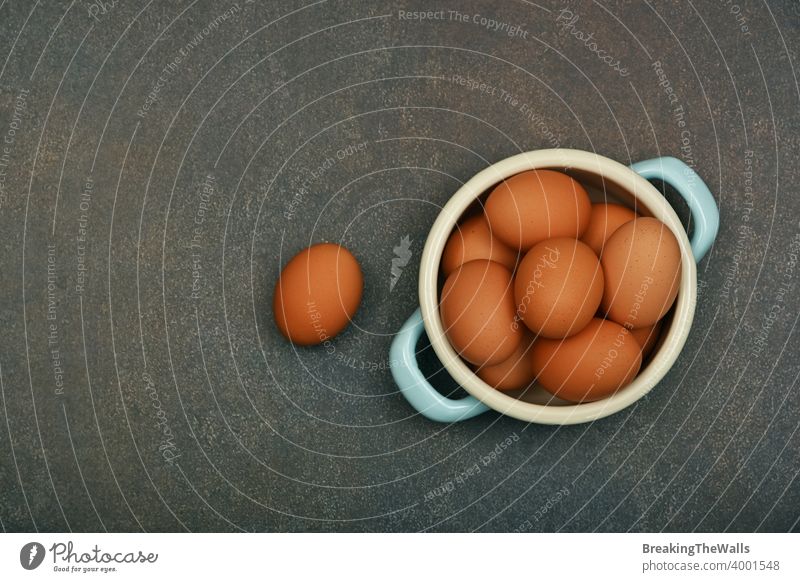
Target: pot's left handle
x,y
415,386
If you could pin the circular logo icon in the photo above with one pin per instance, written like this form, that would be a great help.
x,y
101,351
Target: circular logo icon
x,y
31,555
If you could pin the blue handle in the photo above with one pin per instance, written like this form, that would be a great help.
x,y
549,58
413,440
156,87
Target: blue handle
x,y
415,386
685,180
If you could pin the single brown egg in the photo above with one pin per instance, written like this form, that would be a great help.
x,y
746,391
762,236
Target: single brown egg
x,y
605,219
592,364
642,267
558,287
536,205
647,337
512,373
317,293
477,310
473,240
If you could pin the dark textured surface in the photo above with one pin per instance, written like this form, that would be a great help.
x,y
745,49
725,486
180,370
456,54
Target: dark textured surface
x,y
256,435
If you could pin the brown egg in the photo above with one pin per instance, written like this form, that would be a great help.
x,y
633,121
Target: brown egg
x,y
605,219
558,287
647,337
317,294
642,267
477,309
512,373
536,205
590,365
473,240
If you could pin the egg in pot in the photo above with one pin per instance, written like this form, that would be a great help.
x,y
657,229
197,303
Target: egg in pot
x,y
558,287
642,267
473,240
592,364
604,221
647,337
532,206
512,373
478,314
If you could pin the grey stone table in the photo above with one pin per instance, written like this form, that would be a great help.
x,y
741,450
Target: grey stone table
x,y
161,160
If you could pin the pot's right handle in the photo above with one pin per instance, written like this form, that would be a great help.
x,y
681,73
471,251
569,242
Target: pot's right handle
x,y
691,187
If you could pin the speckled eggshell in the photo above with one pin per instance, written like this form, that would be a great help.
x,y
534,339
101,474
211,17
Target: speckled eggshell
x,y
604,221
536,205
592,364
472,240
642,267
477,311
512,373
558,287
317,294
647,337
